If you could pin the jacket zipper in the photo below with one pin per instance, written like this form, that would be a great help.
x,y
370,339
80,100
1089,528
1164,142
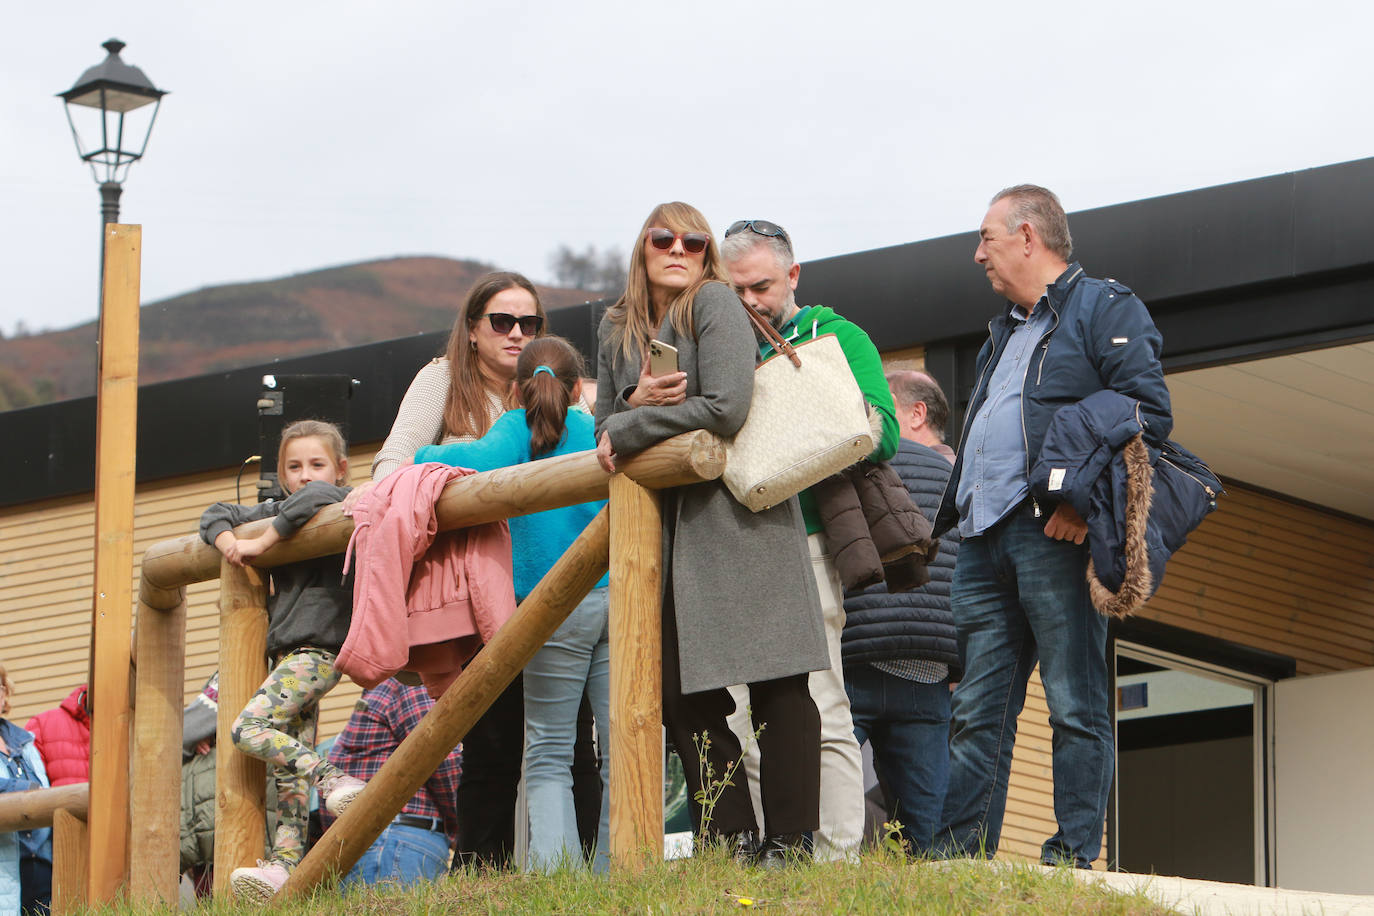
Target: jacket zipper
x,y
1039,373
1210,492
968,421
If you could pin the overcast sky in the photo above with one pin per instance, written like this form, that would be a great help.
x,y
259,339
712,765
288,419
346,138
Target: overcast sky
x,y
305,134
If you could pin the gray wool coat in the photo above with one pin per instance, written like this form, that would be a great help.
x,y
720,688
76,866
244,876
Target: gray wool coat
x,y
742,587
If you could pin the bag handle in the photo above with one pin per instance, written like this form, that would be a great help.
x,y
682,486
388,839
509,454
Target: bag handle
x,y
771,334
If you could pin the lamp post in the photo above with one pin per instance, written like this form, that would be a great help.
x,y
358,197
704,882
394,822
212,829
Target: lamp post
x,y
110,91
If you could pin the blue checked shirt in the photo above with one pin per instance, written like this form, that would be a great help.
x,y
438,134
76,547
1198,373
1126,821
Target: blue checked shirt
x,y
994,480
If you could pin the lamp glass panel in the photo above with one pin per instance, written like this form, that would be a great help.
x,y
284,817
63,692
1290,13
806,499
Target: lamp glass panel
x,y
117,100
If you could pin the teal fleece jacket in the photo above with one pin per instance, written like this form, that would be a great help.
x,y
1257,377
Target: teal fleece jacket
x,y
814,321
537,540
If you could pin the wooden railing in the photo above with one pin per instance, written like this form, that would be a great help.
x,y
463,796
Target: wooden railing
x,y
626,536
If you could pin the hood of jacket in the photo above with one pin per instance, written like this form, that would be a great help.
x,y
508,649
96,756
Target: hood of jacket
x,y
75,706
810,322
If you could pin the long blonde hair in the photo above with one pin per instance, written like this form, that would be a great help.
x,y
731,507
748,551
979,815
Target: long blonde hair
x,y
631,316
465,407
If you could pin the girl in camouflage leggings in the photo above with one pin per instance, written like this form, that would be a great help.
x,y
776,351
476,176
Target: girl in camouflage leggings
x,y
308,614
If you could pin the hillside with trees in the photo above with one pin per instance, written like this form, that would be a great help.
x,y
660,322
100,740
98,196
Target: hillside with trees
x,y
244,324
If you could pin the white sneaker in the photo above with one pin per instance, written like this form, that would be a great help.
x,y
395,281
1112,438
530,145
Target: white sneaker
x,y
342,793
260,884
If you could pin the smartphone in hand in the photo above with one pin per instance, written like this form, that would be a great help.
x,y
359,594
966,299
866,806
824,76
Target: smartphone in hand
x,y
662,358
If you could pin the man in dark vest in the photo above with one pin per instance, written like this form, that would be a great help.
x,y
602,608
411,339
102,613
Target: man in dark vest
x,y
900,651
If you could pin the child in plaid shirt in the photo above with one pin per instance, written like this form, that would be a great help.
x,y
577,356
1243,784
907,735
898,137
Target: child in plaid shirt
x,y
417,843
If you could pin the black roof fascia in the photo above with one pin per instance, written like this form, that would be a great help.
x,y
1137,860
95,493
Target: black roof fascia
x,y
1218,247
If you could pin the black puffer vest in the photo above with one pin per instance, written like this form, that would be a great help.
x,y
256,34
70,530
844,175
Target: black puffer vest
x,y
917,624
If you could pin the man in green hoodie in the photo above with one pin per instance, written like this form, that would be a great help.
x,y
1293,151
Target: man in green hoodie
x,y
764,270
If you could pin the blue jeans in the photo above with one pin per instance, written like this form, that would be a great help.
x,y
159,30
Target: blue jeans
x,y
908,725
1019,595
576,658
404,855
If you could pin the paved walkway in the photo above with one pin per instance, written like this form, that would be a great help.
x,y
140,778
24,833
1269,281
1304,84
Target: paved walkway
x,y
1214,898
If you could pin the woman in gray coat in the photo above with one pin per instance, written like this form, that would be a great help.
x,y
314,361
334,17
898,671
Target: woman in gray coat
x,y
739,599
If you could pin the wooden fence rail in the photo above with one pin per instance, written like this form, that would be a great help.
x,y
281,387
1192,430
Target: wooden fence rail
x,y
632,525
34,808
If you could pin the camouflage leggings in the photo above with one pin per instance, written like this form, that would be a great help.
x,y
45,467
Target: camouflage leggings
x,y
278,725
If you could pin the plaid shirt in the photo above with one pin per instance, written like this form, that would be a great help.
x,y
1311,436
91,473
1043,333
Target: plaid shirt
x,y
381,720
914,669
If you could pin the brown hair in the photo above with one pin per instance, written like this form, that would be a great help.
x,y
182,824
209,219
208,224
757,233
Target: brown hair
x,y
547,394
326,432
631,316
465,407
9,689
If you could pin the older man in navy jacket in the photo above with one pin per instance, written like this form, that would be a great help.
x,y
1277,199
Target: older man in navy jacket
x,y
1019,593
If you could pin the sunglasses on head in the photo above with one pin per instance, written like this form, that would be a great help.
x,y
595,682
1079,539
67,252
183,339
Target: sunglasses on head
x,y
502,322
759,227
692,242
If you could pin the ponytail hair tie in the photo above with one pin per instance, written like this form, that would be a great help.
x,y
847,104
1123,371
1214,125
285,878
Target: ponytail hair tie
x,y
539,369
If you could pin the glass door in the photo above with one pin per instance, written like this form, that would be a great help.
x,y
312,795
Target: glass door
x,y
1191,794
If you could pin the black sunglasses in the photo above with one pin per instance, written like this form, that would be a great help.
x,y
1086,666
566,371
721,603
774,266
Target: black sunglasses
x,y
760,227
501,323
692,242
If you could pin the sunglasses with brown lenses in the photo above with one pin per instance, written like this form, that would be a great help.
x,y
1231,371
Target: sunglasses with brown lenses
x,y
692,242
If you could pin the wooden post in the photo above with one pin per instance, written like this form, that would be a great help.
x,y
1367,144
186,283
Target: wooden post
x,y
636,675
70,865
240,780
419,755
112,603
155,822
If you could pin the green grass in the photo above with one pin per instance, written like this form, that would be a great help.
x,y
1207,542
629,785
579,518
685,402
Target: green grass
x,y
882,882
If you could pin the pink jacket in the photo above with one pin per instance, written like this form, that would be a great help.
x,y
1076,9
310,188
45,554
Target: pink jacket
x,y
420,602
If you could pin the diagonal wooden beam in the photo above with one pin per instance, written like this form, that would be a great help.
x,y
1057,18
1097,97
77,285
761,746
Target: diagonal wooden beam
x,y
419,755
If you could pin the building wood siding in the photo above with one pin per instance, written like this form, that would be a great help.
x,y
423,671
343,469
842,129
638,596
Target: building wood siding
x,y
1279,576
45,588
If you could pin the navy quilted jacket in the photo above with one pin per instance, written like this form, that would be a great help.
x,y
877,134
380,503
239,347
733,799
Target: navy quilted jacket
x,y
914,624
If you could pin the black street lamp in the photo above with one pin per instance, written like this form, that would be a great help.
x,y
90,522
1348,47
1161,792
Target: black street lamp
x,y
110,91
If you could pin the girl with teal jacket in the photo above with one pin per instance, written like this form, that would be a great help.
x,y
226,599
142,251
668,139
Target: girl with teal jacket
x,y
577,657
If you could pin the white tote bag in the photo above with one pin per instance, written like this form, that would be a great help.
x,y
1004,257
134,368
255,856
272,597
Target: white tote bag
x,y
808,420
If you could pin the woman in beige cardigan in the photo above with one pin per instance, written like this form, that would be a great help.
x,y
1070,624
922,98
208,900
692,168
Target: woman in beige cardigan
x,y
456,398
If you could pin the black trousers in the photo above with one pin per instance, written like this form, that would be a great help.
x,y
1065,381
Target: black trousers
x,y
789,746
35,886
492,751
